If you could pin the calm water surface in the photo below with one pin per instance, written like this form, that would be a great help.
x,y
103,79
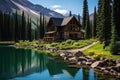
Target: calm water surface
x,y
21,64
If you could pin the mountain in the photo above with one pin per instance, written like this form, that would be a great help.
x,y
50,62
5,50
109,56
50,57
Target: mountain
x,y
91,16
76,16
25,5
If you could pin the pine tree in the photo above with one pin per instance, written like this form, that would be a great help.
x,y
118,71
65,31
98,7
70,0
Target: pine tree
x,y
103,22
1,21
23,28
86,23
29,27
12,28
99,21
16,26
107,23
38,30
116,16
87,29
79,18
94,25
70,13
42,25
85,13
113,44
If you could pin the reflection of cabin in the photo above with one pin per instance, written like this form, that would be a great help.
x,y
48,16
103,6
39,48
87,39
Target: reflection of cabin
x,y
63,28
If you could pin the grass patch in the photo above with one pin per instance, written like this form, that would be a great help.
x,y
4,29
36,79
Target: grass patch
x,y
68,44
65,45
71,44
98,51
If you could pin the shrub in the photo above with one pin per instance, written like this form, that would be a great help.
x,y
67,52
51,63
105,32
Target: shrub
x,y
97,57
91,53
54,44
76,44
69,41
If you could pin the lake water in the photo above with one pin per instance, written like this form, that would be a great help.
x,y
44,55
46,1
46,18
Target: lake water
x,y
21,64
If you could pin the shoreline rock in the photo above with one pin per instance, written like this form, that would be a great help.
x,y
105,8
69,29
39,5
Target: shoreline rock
x,y
78,59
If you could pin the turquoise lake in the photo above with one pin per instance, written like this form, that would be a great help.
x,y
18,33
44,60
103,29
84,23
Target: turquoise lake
x,y
22,64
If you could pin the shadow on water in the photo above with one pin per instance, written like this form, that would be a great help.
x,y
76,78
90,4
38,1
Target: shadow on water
x,y
21,64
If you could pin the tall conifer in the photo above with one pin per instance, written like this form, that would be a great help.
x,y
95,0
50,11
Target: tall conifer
x,y
113,44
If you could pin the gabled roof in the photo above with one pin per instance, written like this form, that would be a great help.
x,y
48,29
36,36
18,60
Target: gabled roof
x,y
66,20
57,21
61,21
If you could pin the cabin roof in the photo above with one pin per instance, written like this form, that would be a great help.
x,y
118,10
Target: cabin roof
x,y
66,20
57,21
61,21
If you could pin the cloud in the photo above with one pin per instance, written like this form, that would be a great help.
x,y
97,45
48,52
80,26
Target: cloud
x,y
61,11
56,6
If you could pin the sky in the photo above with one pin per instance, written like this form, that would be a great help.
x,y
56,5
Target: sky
x,y
64,6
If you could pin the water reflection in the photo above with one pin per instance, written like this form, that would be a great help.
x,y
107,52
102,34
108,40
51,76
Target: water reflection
x,y
20,64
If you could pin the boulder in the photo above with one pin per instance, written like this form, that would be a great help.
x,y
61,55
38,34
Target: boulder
x,y
106,71
118,65
79,63
82,59
88,63
108,68
65,58
118,61
62,54
72,59
52,49
95,64
103,68
78,54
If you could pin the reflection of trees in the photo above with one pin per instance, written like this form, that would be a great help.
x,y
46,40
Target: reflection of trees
x,y
19,62
42,60
85,74
56,67
16,62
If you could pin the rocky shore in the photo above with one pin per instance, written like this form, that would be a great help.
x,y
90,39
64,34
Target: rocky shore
x,y
78,59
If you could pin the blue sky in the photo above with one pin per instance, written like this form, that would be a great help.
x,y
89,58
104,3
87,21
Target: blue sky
x,y
64,6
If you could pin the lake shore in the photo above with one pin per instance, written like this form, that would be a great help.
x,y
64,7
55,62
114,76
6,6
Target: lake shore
x,y
78,60
75,58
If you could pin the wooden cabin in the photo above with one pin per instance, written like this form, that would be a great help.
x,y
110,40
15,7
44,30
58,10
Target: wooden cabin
x,y
59,29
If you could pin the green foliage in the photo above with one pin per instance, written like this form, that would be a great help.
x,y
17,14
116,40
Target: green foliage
x,y
86,22
54,44
85,13
87,29
98,50
15,27
104,22
94,24
91,53
69,41
113,44
97,57
72,44
116,14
